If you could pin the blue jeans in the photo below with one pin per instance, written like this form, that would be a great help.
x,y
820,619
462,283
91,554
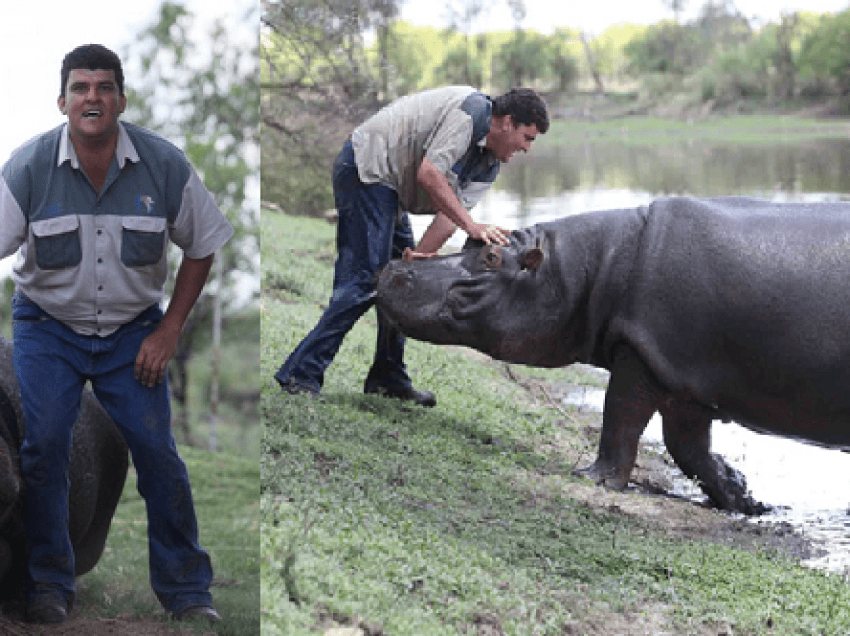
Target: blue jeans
x,y
369,233
52,363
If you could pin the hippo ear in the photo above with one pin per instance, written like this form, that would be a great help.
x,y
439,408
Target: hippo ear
x,y
532,258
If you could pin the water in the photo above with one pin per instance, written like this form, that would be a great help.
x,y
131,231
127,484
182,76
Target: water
x,y
810,486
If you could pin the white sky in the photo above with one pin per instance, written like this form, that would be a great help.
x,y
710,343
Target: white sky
x,y
595,15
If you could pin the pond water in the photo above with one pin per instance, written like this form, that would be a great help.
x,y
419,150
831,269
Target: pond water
x,y
808,485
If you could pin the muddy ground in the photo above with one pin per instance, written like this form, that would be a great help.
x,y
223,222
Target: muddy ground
x,y
652,494
84,625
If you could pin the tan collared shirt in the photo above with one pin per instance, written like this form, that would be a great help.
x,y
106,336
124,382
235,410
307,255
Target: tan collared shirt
x,y
95,260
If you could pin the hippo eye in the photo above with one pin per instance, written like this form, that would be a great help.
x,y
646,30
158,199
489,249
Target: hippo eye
x,y
491,257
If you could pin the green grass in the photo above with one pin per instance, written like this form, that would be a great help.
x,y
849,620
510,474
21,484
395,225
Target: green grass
x,y
744,129
411,521
225,490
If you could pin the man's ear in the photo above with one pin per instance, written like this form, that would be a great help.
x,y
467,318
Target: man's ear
x,y
61,103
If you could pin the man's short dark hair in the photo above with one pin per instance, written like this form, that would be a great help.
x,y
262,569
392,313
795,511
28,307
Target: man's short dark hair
x,y
93,57
524,106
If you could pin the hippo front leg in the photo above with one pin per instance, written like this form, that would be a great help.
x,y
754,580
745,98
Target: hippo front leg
x,y
630,401
687,436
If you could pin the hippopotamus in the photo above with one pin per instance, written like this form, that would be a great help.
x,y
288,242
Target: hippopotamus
x,y
99,460
701,309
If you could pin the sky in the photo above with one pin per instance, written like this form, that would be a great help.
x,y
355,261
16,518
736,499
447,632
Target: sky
x,y
594,16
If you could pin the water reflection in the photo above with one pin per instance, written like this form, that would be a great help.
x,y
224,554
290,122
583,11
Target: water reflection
x,y
550,183
698,168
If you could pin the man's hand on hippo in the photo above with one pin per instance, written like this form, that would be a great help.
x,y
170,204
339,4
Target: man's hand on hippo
x,y
489,234
410,255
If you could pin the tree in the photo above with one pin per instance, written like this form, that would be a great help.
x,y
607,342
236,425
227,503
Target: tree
x,y
317,81
523,60
563,64
592,64
203,95
676,6
825,56
462,64
786,69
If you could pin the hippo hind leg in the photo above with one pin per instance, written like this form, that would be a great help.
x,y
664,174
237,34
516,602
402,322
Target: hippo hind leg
x,y
687,435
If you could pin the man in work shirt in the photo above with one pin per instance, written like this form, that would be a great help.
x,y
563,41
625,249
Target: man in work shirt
x,y
435,152
91,205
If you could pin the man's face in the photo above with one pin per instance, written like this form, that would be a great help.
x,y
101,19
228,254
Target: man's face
x,y
509,138
92,104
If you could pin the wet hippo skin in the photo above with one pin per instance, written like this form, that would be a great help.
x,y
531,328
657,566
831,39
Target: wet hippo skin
x,y
701,309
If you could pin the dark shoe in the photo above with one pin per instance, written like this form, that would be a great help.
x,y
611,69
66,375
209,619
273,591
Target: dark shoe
x,y
294,388
47,610
197,611
409,394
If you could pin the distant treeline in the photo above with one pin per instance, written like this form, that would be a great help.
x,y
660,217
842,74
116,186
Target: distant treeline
x,y
327,64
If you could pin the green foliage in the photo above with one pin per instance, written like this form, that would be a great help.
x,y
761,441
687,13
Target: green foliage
x,y
224,489
663,48
825,56
403,520
237,431
524,60
318,81
411,58
734,75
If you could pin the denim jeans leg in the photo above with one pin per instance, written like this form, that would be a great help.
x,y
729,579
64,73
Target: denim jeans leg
x,y
180,569
51,390
367,219
388,369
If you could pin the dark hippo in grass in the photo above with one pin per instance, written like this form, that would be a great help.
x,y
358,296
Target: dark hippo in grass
x,y
726,308
98,470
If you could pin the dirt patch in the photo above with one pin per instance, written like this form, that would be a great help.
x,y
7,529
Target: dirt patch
x,y
78,625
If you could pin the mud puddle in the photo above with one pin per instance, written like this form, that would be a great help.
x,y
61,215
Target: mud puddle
x,y
808,486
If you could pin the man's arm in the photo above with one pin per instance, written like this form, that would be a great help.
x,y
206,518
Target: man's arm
x,y
437,186
440,231
161,345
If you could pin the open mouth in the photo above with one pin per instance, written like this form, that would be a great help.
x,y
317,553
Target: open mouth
x,y
93,113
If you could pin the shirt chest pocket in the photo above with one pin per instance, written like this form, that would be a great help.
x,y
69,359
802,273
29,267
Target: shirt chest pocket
x,y
57,242
142,240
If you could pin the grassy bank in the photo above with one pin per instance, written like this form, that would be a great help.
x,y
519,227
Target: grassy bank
x,y
465,519
744,129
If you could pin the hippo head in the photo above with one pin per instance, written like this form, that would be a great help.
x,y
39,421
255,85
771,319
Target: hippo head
x,y
495,299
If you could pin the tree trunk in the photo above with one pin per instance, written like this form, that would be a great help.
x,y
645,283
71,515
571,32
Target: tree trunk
x,y
591,64
216,355
785,60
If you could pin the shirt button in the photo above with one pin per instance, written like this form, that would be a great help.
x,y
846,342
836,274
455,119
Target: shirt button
x,y
100,260
99,311
100,288
99,232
